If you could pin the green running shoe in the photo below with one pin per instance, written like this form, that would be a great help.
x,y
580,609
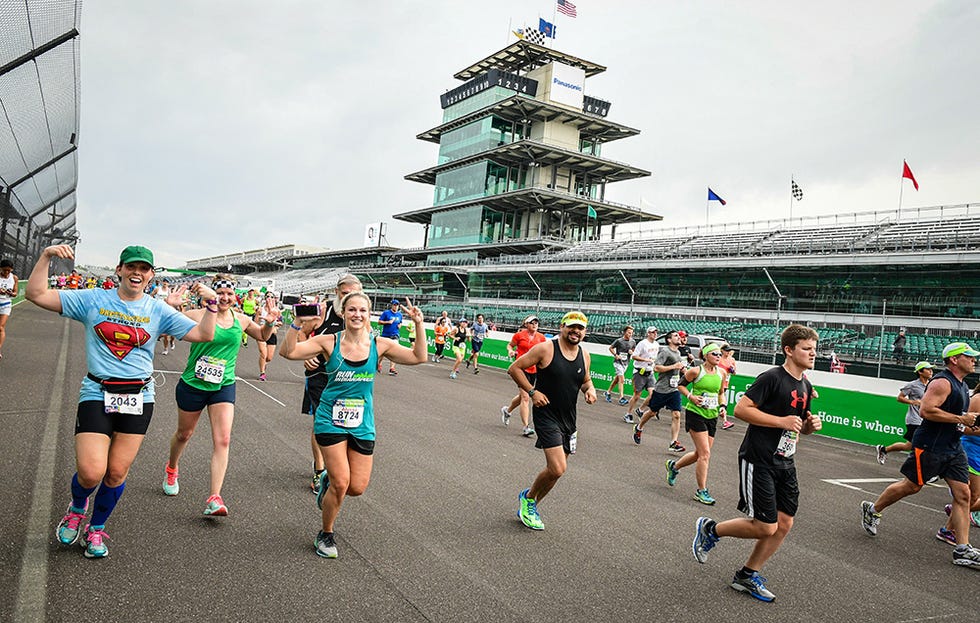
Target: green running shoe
x,y
528,512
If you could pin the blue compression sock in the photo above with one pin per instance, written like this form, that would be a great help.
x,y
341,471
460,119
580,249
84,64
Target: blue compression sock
x,y
79,494
105,501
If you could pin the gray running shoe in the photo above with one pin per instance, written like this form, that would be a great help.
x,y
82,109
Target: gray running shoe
x,y
528,431
703,539
754,585
504,416
325,546
868,519
881,454
966,556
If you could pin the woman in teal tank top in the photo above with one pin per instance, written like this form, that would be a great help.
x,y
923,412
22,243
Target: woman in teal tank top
x,y
703,386
209,381
344,424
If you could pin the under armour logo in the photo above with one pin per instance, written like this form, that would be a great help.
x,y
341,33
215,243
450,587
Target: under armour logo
x,y
798,401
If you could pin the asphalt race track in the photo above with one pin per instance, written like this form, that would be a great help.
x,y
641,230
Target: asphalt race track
x,y
435,537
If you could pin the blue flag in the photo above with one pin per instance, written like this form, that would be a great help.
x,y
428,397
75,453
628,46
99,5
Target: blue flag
x,y
592,213
713,197
547,28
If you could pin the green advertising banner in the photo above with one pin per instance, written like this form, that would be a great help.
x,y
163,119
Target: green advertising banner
x,y
846,414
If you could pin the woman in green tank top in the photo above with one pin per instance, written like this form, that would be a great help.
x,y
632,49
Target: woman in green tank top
x,y
208,381
703,387
344,424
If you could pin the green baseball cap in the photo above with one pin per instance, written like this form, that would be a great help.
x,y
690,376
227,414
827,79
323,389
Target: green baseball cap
x,y
922,365
959,348
136,254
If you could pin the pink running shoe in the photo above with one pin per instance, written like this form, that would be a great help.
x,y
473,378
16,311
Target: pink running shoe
x,y
94,542
68,528
216,507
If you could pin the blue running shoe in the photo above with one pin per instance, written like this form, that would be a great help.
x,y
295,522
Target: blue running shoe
x,y
68,529
704,540
754,585
704,497
94,542
322,490
671,472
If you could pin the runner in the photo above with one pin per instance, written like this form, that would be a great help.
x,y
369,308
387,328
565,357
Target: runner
x,y
162,293
703,388
480,330
937,451
910,394
562,371
664,393
644,355
345,419
971,445
439,332
8,291
249,306
459,334
268,312
116,399
390,321
331,321
777,409
727,364
621,350
209,381
519,345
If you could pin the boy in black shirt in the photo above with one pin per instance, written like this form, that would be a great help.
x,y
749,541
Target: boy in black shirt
x,y
777,409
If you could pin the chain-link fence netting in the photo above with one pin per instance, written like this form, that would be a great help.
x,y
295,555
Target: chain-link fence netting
x,y
39,117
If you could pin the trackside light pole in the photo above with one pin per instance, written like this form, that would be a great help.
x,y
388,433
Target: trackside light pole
x,y
632,293
779,308
537,309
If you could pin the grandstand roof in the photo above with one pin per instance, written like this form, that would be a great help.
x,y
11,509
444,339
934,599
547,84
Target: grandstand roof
x,y
519,107
525,56
489,249
543,198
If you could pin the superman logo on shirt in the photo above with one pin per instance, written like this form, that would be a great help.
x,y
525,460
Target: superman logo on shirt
x,y
121,339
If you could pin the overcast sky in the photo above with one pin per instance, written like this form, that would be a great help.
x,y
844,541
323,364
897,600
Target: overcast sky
x,y
210,127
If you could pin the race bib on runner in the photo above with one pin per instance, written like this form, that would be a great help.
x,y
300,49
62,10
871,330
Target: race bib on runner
x,y
210,369
348,412
675,381
787,443
573,443
709,401
127,404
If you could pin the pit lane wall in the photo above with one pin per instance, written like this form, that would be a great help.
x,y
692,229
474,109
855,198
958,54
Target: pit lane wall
x,y
853,408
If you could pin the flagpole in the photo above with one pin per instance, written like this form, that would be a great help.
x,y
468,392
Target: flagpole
x,y
706,203
510,22
791,180
901,189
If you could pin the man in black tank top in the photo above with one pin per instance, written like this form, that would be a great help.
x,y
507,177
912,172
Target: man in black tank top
x,y
936,451
563,371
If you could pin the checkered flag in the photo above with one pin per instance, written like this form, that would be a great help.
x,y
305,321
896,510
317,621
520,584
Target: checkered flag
x,y
534,36
797,191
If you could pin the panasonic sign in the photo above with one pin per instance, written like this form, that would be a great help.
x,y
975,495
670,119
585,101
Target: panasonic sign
x,y
567,85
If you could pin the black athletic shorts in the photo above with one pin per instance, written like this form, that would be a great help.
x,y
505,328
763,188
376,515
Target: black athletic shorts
x,y
699,424
92,418
273,340
910,431
478,346
361,446
193,399
551,437
532,377
922,466
764,490
312,391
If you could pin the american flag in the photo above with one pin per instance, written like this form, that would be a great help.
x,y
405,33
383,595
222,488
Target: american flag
x,y
566,8
797,191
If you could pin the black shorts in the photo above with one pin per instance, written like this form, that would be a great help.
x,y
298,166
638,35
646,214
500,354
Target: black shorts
x,y
922,466
671,401
312,391
361,446
478,346
909,431
532,377
273,340
764,490
192,399
92,418
699,424
552,437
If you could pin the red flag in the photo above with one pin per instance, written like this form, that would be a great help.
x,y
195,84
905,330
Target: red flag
x,y
907,172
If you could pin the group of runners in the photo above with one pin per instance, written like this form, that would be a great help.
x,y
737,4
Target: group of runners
x,y
342,357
